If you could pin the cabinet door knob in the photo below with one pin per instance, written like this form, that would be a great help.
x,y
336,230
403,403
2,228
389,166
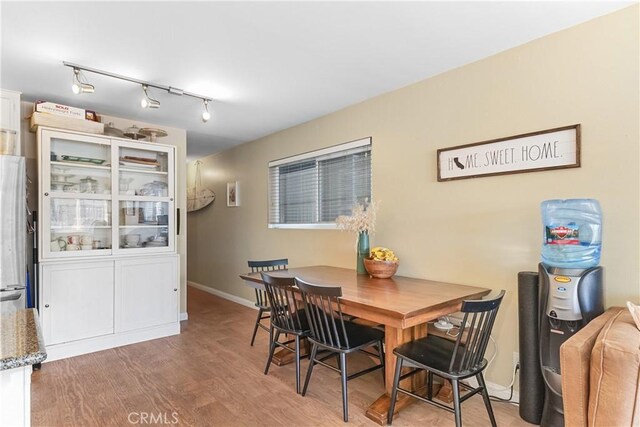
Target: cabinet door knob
x,y
175,289
46,306
171,199
46,194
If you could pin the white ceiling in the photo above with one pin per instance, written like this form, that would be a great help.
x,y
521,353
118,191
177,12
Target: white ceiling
x,y
269,65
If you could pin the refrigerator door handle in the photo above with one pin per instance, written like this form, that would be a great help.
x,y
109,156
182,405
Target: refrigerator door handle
x,y
14,288
10,297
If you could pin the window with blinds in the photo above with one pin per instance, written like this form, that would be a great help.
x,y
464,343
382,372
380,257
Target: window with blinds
x,y
313,189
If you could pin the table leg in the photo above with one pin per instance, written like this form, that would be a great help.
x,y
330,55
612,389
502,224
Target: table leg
x,y
379,409
284,357
445,393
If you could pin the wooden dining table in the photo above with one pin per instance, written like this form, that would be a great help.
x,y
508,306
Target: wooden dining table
x,y
403,305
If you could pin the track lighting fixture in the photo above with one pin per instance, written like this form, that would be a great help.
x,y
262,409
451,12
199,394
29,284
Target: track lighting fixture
x,y
206,115
79,86
147,101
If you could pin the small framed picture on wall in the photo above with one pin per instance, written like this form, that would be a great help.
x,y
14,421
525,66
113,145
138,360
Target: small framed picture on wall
x,y
232,194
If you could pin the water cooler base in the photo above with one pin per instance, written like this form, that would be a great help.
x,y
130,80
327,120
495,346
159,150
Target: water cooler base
x,y
552,412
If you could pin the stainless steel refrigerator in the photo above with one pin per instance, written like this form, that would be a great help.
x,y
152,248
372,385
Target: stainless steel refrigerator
x,y
13,217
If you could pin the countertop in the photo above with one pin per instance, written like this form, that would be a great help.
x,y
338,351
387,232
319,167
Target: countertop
x,y
21,342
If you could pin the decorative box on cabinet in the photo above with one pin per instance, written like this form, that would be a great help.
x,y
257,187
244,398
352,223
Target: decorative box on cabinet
x,y
107,230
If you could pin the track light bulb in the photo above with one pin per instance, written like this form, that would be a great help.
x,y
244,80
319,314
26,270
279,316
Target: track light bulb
x,y
206,115
147,101
87,88
78,86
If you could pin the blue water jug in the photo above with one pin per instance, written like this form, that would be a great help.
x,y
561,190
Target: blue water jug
x,y
572,231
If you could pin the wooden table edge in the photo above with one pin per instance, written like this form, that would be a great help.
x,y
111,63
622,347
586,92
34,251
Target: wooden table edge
x,y
404,319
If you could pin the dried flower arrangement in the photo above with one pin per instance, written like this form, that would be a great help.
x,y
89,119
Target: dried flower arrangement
x,y
362,218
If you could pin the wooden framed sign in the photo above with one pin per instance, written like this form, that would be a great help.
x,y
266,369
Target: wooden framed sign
x,y
536,151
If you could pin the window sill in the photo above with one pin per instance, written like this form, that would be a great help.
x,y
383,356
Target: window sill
x,y
323,226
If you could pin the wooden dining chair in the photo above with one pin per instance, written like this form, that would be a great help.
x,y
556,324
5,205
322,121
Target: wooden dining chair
x,y
331,332
286,317
452,360
261,296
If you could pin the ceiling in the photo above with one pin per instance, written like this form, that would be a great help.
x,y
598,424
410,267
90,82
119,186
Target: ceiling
x,y
268,65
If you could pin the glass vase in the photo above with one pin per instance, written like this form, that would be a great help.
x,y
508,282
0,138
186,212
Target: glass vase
x,y
363,252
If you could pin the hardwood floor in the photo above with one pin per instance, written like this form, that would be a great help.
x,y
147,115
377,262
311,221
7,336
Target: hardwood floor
x,y
210,376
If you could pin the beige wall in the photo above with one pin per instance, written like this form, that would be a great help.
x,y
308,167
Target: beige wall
x,y
176,137
477,231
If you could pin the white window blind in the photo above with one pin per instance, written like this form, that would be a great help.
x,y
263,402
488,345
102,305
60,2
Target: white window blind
x,y
314,188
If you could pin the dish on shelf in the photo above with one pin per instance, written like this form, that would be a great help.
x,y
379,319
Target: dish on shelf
x,y
61,176
134,133
155,244
76,159
136,159
153,133
71,188
155,188
140,166
111,130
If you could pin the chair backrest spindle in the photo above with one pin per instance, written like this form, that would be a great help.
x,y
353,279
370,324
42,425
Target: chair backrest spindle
x,y
284,309
267,265
478,321
324,313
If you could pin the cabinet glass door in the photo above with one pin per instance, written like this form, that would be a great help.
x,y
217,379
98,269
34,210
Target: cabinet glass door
x,y
79,227
143,172
144,225
145,197
78,165
76,183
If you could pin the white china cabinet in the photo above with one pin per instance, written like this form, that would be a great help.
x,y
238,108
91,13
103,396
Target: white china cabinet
x,y
106,235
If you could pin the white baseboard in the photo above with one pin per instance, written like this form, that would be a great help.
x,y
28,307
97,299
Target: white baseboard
x,y
221,294
184,316
104,342
496,390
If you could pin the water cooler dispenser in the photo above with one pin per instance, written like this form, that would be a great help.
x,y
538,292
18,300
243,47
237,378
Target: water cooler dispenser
x,y
564,295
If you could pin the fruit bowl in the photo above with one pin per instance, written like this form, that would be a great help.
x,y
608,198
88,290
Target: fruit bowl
x,y
380,269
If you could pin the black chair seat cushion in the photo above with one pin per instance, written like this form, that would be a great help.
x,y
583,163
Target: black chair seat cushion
x,y
358,335
435,353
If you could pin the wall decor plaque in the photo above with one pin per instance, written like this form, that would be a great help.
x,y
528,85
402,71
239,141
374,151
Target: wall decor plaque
x,y
556,148
197,196
233,199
